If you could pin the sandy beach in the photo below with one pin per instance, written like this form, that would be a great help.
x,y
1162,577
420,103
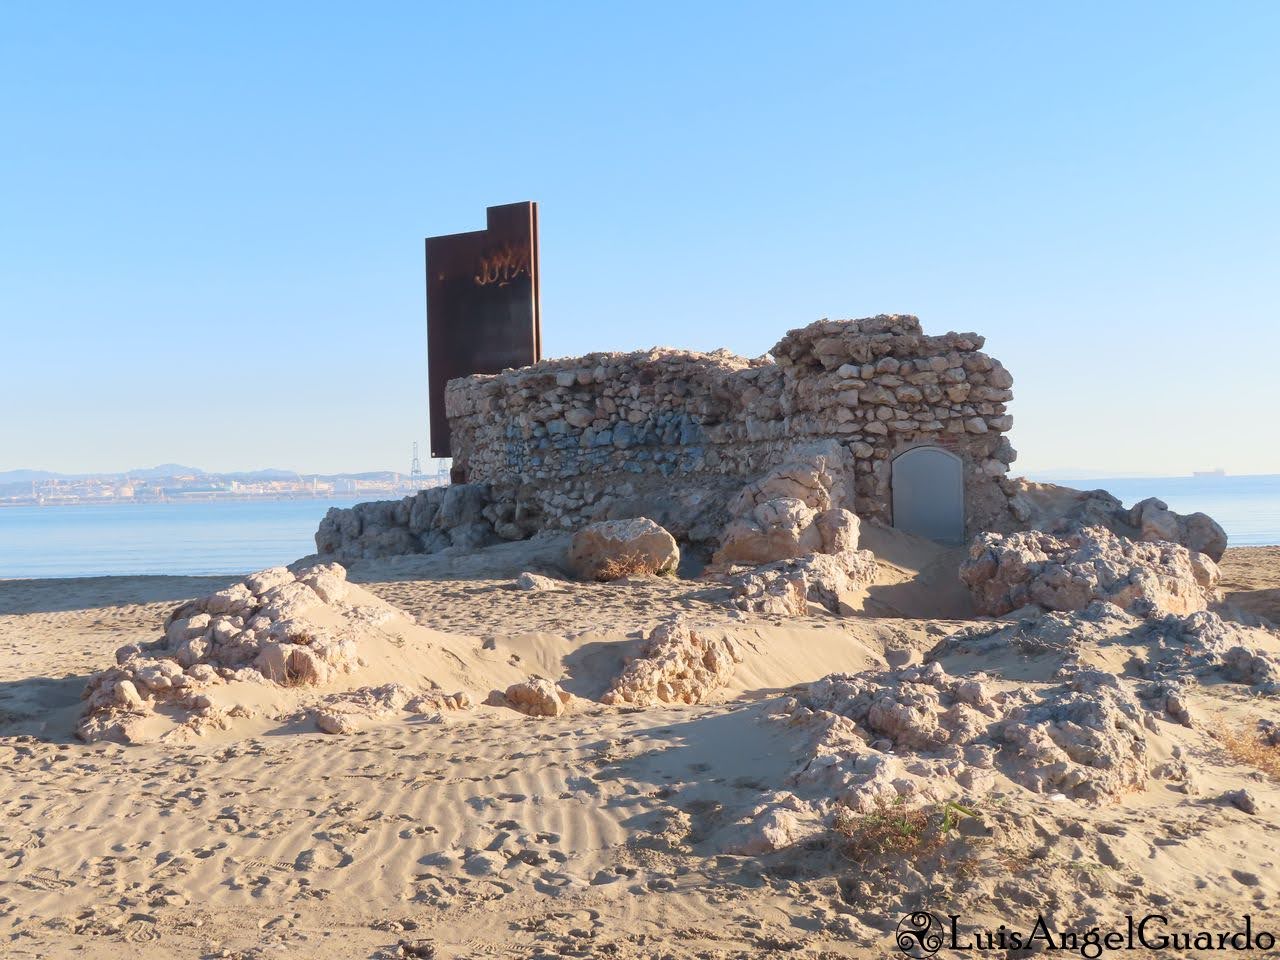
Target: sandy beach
x,y
607,831
1250,580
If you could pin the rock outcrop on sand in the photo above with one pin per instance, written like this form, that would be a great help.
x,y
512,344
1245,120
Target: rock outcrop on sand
x,y
1167,650
1054,509
289,645
1196,531
613,549
344,713
792,511
1084,739
919,735
1005,572
261,631
914,735
785,587
789,541
781,821
537,583
459,515
535,697
676,664
1075,705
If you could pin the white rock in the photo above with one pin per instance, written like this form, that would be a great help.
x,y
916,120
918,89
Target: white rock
x,y
613,549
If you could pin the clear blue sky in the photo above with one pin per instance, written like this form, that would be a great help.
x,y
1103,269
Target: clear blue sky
x,y
211,216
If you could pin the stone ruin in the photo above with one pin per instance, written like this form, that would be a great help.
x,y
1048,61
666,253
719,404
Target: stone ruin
x,y
675,435
767,467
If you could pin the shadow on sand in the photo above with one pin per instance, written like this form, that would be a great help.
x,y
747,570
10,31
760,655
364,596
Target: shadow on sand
x,y
91,593
46,708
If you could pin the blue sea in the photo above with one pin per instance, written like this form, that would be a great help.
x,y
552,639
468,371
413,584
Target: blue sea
x,y
217,537
203,537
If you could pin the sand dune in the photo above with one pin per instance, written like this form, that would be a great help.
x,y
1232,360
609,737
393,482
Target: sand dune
x,y
608,831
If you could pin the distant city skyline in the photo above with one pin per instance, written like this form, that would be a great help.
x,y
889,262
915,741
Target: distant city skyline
x,y
211,242
171,483
26,474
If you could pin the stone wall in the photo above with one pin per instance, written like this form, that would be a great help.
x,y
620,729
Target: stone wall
x,y
427,522
673,434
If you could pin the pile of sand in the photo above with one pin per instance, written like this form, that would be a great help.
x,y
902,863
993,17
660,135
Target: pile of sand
x,y
677,664
281,647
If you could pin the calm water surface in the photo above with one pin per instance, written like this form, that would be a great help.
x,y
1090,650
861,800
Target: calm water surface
x,y
235,536
241,536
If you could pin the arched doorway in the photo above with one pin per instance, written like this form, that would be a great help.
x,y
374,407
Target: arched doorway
x,y
928,494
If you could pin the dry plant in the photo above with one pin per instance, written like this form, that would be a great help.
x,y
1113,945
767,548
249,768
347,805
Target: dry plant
x,y
615,568
292,678
1246,746
892,829
888,829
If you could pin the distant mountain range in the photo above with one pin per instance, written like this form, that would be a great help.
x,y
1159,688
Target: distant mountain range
x,y
165,470
151,473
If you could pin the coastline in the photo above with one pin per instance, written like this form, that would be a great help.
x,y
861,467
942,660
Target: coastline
x,y
222,535
1250,578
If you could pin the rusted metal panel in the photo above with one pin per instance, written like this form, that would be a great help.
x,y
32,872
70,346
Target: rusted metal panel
x,y
482,305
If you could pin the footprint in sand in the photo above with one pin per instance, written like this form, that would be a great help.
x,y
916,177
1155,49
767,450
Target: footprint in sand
x,y
581,924
45,879
531,858
193,796
434,890
141,928
258,863
410,832
204,853
170,865
33,841
323,858
101,871
558,884
484,891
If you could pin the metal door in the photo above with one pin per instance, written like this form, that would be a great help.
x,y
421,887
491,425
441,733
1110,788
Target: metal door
x,y
928,494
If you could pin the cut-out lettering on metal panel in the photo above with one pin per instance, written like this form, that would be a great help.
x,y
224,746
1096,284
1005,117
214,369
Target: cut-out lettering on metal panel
x,y
482,305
